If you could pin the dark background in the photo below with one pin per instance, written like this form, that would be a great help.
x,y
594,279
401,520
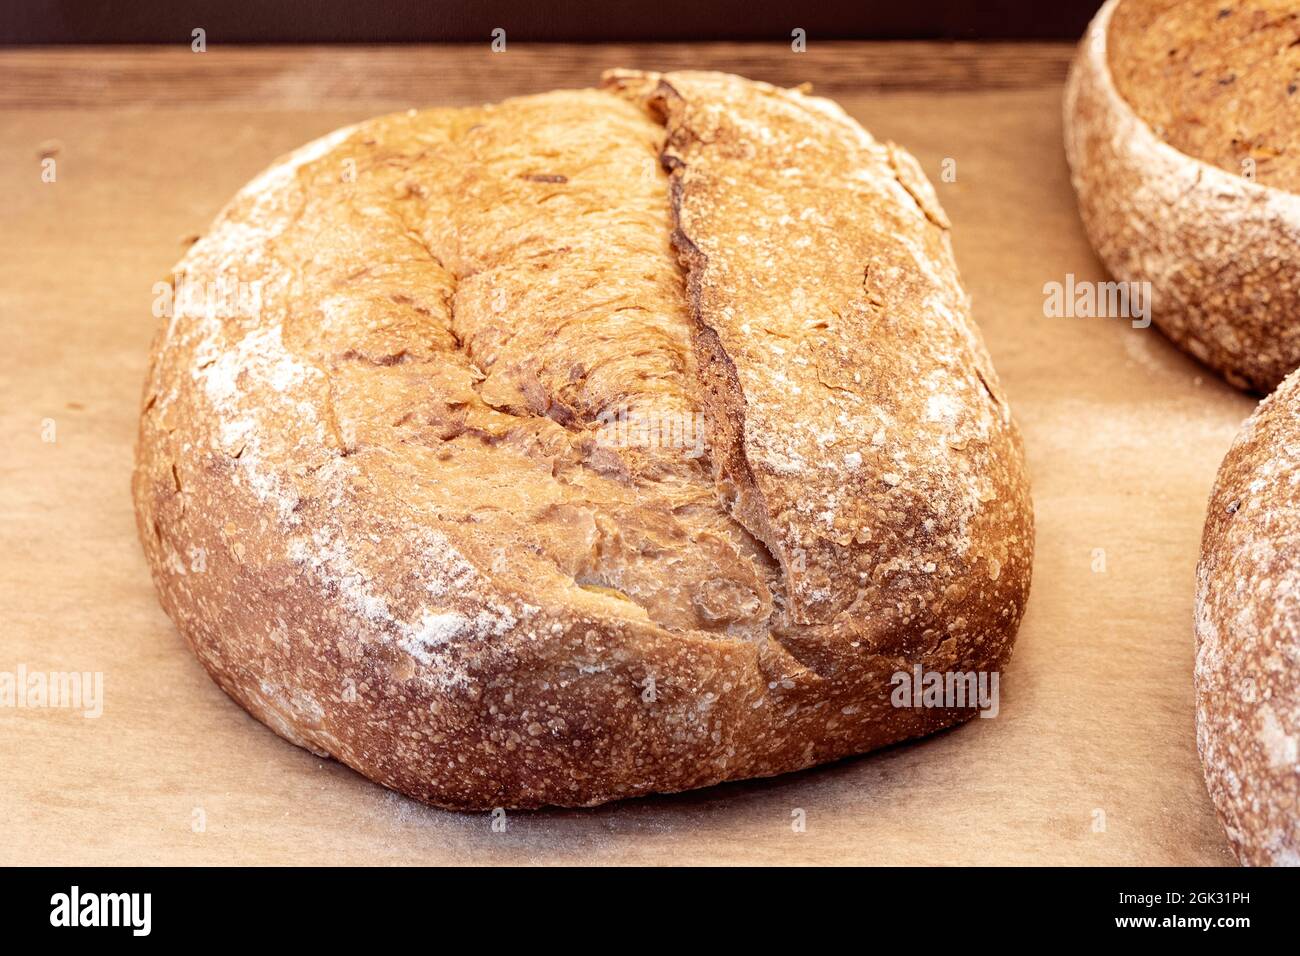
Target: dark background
x,y
359,21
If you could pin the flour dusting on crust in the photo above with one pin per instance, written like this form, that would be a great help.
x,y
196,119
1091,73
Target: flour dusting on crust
x,y
584,445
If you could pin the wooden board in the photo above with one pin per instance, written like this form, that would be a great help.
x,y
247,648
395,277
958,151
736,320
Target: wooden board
x,y
1092,758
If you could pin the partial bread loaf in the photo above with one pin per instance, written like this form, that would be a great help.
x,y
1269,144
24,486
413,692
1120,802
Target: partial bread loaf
x,y
1182,128
437,542
1248,635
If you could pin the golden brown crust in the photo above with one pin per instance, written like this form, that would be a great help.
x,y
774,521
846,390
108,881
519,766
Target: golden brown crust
x,y
1218,81
423,555
1248,635
1218,249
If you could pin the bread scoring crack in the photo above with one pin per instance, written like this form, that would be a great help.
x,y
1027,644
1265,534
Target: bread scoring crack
x,y
525,354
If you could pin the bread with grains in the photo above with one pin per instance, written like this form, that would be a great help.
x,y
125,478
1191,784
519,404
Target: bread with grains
x,y
440,543
1182,130
1248,635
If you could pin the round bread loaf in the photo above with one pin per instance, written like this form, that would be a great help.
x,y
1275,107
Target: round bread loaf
x,y
586,445
1182,129
1248,635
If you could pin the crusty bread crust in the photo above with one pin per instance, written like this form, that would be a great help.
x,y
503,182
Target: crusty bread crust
x,y
1219,81
418,555
1218,249
1248,635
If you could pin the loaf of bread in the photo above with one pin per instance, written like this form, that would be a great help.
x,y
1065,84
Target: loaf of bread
x,y
1248,635
590,444
1182,129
